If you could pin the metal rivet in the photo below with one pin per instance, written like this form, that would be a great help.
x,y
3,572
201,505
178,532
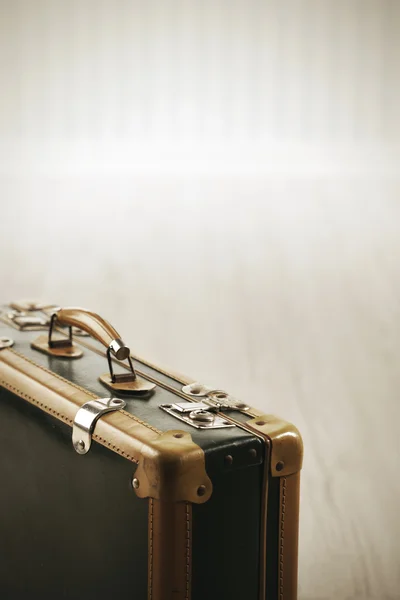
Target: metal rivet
x,y
201,490
81,445
253,453
6,342
260,423
279,465
135,483
228,460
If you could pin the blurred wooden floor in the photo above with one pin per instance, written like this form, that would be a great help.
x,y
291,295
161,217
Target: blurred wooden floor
x,y
285,292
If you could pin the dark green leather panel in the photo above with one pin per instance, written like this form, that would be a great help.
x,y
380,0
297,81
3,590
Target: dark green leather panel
x,y
71,527
226,552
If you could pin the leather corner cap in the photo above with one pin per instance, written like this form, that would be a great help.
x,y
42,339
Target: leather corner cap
x,y
171,467
286,442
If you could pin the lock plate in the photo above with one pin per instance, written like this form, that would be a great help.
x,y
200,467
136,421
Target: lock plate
x,y
26,321
197,414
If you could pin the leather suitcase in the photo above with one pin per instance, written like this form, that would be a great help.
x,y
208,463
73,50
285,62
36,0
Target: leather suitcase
x,y
123,480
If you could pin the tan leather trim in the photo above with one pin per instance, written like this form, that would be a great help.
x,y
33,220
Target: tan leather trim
x,y
287,444
289,536
283,445
170,550
170,465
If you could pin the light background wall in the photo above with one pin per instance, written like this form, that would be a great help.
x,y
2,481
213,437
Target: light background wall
x,y
220,180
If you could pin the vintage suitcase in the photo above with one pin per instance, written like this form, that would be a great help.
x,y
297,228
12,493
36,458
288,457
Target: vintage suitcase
x,y
120,479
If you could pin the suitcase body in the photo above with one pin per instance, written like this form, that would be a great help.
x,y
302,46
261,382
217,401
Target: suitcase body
x,y
121,478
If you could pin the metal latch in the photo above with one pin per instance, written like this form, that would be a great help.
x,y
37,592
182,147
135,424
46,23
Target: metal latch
x,y
196,414
203,414
86,418
216,399
28,322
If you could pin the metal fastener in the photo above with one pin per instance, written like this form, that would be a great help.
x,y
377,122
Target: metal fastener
x,y
86,419
6,342
201,490
135,483
203,416
196,389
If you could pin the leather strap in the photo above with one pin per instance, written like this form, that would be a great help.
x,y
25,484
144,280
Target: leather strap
x,y
170,550
288,536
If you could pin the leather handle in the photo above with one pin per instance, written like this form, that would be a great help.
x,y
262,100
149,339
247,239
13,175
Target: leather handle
x,y
95,326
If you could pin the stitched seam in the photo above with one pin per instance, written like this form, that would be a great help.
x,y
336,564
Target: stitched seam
x,y
151,513
33,401
188,547
282,538
114,448
137,420
63,418
78,387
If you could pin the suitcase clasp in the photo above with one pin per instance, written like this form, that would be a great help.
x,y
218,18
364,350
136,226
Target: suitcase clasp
x,y
204,414
197,414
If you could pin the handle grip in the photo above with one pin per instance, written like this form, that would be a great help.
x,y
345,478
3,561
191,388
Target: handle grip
x,y
95,326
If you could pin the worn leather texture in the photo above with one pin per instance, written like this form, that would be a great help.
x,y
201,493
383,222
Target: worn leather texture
x,y
71,526
221,557
170,550
85,372
289,500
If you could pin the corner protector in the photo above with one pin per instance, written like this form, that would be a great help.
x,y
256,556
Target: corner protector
x,y
286,442
172,469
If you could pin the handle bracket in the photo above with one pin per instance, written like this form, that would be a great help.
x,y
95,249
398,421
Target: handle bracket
x,y
121,377
93,324
86,418
63,343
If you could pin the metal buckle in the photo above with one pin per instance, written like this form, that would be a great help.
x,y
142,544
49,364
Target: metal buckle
x,y
86,418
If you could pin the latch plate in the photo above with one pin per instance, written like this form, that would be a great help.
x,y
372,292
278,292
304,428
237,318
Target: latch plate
x,y
196,414
205,413
215,399
27,322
